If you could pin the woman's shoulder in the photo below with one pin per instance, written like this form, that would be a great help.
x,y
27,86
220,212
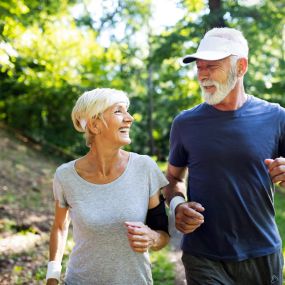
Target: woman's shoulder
x,y
142,159
65,168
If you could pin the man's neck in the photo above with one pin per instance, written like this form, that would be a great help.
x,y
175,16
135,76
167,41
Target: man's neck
x,y
234,100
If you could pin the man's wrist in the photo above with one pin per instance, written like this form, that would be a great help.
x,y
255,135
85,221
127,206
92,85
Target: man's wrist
x,y
175,202
174,194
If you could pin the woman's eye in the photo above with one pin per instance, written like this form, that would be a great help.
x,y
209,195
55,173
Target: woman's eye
x,y
118,111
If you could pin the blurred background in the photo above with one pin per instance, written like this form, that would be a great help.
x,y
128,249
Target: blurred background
x,y
52,51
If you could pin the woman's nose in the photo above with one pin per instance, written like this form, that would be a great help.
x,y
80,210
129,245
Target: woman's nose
x,y
129,117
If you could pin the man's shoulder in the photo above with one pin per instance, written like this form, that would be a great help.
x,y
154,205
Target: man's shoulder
x,y
261,106
191,113
264,103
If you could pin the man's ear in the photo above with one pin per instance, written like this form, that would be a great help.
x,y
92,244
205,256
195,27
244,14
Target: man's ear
x,y
241,67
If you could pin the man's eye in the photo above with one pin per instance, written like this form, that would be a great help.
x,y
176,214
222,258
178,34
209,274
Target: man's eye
x,y
118,111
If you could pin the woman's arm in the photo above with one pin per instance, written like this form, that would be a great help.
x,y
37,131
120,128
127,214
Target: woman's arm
x,y
58,237
142,237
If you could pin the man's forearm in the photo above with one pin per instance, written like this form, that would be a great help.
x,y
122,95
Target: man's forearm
x,y
174,189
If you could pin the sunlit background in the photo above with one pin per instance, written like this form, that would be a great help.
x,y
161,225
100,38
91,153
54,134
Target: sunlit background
x,y
52,51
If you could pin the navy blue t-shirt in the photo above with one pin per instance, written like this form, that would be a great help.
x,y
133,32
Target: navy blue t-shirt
x,y
224,152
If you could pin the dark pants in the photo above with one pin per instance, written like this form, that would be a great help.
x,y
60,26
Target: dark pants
x,y
264,270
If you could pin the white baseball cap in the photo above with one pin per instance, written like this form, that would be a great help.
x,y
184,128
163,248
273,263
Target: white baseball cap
x,y
215,48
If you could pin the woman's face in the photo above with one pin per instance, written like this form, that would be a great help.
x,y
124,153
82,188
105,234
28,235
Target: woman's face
x,y
118,124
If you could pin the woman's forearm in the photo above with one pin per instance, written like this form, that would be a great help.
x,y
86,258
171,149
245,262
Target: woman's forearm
x,y
58,239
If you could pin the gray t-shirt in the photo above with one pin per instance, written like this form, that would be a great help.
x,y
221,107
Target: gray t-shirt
x,y
102,254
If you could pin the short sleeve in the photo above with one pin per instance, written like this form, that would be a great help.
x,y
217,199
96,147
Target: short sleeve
x,y
177,153
58,192
157,179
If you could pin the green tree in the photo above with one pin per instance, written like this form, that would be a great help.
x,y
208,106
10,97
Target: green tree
x,y
50,52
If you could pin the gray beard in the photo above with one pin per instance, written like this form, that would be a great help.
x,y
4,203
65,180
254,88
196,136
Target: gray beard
x,y
222,90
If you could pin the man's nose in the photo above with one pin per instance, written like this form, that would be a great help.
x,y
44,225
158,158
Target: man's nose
x,y
203,74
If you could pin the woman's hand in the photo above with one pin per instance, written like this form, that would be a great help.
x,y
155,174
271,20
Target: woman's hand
x,y
141,237
52,282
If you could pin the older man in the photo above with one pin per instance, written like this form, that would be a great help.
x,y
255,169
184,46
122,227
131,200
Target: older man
x,y
232,146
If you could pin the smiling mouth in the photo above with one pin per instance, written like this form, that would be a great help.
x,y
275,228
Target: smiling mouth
x,y
124,130
208,87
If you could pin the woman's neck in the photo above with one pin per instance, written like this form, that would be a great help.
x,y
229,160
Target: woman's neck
x,y
101,167
105,161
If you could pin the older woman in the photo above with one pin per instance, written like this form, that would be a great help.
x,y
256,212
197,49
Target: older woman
x,y
108,194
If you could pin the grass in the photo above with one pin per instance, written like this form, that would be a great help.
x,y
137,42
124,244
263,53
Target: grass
x,y
162,269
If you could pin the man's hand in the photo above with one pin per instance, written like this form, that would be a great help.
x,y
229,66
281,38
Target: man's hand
x,y
188,217
276,169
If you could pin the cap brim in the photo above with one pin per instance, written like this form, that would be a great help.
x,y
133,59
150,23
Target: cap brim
x,y
206,55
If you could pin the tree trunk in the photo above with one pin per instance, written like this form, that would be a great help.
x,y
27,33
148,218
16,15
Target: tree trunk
x,y
216,14
150,109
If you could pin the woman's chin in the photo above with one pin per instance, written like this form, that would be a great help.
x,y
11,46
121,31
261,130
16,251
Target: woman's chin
x,y
126,141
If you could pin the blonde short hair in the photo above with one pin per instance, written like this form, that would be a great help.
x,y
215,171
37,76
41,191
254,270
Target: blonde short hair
x,y
92,104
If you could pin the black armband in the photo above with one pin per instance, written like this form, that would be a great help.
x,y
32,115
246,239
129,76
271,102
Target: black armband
x,y
157,218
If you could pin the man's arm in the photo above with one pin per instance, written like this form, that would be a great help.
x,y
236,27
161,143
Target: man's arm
x,y
176,187
187,214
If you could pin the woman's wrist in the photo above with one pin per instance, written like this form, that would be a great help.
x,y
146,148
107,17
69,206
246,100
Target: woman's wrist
x,y
154,239
53,270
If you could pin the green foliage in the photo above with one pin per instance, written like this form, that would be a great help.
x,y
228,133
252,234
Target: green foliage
x,y
40,273
280,218
52,51
7,225
263,26
162,269
280,213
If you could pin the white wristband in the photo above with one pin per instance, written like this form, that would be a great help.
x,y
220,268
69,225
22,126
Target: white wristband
x,y
53,270
175,202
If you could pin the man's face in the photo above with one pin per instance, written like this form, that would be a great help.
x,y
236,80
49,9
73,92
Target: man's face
x,y
216,78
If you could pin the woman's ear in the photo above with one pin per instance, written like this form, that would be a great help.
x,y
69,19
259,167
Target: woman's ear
x,y
94,126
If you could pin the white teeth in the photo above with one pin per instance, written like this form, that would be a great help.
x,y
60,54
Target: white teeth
x,y
124,129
